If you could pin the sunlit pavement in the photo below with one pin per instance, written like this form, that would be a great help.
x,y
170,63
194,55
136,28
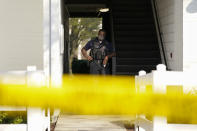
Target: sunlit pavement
x,y
92,123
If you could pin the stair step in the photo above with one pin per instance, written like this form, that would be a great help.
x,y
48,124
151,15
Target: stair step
x,y
137,61
129,7
129,20
135,68
138,54
127,73
133,9
129,1
86,1
134,33
134,40
143,12
136,47
120,27
130,4
129,14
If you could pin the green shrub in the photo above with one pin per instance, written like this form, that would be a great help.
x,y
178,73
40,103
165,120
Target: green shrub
x,y
13,117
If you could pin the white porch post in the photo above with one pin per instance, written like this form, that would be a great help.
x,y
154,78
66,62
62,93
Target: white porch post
x,y
56,47
143,87
159,123
35,116
141,123
140,88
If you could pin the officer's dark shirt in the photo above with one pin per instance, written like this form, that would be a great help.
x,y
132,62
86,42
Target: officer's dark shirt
x,y
89,45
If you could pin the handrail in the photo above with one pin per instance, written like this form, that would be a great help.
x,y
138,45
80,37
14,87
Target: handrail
x,y
113,43
159,34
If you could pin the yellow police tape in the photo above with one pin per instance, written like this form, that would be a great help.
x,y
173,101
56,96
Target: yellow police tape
x,y
106,95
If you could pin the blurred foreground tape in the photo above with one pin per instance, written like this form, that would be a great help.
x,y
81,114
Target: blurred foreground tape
x,y
101,95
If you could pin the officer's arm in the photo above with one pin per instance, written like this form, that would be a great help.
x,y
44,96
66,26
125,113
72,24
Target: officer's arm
x,y
84,53
111,55
111,51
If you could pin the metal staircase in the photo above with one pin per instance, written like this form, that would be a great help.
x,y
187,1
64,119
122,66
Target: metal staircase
x,y
135,36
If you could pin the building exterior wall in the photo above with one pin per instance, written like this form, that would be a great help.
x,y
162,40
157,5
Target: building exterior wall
x,y
21,34
190,35
170,19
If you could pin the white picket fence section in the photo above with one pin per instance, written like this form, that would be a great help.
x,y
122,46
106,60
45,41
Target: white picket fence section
x,y
13,127
160,79
36,119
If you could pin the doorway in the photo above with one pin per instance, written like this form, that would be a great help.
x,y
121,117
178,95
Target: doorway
x,y
82,24
81,30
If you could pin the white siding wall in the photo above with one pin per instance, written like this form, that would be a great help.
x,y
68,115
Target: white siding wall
x,y
21,34
190,35
170,18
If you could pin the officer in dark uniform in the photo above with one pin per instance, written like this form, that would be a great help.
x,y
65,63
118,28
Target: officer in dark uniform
x,y
100,52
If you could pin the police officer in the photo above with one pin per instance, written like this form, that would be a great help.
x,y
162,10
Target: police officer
x,y
100,52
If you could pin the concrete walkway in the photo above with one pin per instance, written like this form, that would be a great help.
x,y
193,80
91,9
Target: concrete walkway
x,y
91,123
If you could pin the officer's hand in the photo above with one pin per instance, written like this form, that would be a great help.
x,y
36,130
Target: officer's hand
x,y
105,60
89,58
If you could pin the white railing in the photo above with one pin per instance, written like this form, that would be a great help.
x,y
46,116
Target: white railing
x,y
159,33
160,79
36,119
